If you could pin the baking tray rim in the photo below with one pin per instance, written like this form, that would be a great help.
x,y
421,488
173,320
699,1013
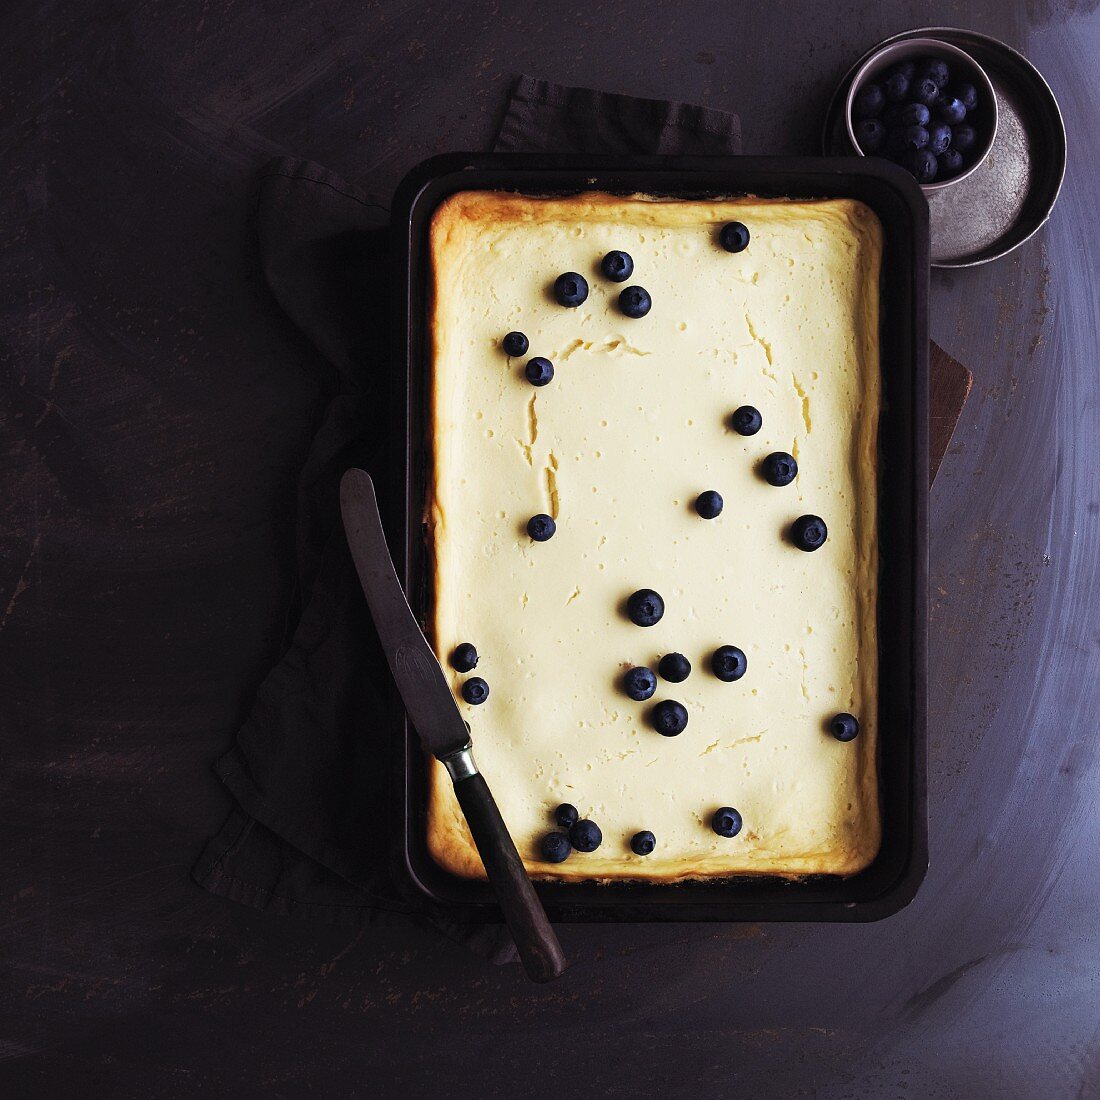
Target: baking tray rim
x,y
739,897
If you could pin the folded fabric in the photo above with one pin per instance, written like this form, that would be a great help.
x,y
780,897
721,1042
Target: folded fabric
x,y
312,771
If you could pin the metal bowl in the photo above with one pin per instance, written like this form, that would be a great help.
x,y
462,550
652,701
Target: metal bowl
x,y
913,49
1011,194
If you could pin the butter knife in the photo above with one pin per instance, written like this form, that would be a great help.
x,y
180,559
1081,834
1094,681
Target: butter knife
x,y
436,718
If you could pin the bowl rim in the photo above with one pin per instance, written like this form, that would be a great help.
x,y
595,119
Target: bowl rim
x,y
913,45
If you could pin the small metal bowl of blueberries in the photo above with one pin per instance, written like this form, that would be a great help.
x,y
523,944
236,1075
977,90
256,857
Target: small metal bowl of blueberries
x,y
925,105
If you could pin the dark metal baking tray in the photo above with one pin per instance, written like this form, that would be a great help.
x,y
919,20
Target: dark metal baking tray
x,y
892,880
1010,195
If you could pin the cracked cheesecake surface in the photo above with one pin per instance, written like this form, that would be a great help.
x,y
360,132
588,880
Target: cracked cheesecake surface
x,y
634,425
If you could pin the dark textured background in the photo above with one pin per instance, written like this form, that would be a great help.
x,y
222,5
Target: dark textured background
x,y
155,409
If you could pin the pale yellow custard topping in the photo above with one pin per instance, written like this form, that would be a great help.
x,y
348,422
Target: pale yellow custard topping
x,y
634,425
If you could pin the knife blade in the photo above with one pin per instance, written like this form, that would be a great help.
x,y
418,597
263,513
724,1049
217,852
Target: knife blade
x,y
438,722
427,695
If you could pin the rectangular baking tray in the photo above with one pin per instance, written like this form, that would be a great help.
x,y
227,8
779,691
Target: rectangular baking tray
x,y
892,879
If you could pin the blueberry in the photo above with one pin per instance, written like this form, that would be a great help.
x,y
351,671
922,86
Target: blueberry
x,y
475,691
950,164
555,847
570,289
635,301
515,344
950,110
906,68
729,663
779,468
734,236
643,843
645,607
869,101
922,164
916,137
674,667
617,266
539,371
709,504
669,718
870,135
809,532
968,95
936,70
844,727
464,657
585,836
541,527
962,137
925,91
914,114
726,821
640,684
746,420
897,87
567,815
939,137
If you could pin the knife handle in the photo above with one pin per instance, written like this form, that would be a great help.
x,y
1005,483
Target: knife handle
x,y
536,941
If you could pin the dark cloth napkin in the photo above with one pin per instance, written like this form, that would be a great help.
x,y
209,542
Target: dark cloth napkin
x,y
313,830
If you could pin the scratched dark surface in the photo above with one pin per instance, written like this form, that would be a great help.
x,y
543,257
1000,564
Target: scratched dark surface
x,y
155,409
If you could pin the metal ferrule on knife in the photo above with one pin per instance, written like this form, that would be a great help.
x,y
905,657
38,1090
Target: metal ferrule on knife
x,y
460,763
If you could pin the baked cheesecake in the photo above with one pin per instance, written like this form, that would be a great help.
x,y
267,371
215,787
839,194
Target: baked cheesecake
x,y
652,526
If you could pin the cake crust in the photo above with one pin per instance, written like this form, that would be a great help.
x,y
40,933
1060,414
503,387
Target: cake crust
x,y
634,425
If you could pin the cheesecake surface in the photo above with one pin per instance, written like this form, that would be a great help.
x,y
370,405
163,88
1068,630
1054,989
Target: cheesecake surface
x,y
634,425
